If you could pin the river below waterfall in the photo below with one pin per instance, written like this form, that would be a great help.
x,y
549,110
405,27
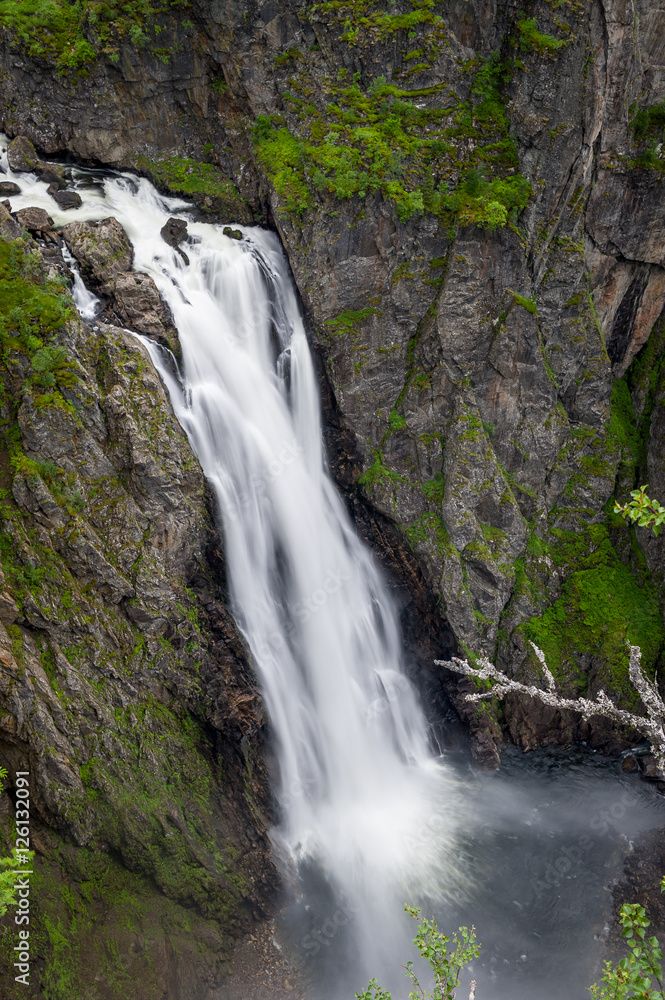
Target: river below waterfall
x,y
371,816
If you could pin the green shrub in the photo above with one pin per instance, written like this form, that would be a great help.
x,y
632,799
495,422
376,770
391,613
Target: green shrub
x,y
639,976
446,965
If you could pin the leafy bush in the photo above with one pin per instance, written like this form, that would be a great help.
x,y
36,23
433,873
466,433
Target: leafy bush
x,y
648,513
446,965
639,976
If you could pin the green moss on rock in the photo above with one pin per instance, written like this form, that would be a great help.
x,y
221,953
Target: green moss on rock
x,y
203,183
602,607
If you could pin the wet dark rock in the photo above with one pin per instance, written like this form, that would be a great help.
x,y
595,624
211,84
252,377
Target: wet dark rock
x,y
9,188
21,155
35,220
629,764
66,199
174,232
234,234
649,769
643,870
484,751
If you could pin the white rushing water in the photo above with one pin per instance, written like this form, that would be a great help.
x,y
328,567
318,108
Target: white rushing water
x,y
362,797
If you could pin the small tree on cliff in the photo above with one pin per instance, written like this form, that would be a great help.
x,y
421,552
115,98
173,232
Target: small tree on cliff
x,y
648,513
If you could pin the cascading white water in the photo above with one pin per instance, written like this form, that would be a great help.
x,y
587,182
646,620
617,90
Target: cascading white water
x,y
361,795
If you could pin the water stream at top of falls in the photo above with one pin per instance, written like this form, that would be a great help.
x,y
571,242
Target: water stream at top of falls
x,y
370,817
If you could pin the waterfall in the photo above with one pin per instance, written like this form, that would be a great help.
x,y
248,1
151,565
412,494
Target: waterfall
x,y
362,798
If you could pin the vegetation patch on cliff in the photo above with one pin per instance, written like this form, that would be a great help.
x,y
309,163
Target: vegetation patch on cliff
x,y
203,183
601,608
72,35
424,149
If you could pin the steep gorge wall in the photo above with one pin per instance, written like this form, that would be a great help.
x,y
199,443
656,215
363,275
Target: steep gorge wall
x,y
488,387
482,394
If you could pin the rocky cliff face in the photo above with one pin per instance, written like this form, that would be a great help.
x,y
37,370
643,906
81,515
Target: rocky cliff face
x,y
470,194
125,687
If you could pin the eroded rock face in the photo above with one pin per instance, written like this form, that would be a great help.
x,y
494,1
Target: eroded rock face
x,y
138,303
105,256
10,229
22,155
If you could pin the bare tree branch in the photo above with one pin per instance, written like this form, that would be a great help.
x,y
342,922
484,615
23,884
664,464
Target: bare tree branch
x,y
652,726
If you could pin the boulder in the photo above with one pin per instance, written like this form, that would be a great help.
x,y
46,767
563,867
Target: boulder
x,y
22,155
65,199
101,248
138,303
9,188
52,175
174,232
10,229
233,234
36,220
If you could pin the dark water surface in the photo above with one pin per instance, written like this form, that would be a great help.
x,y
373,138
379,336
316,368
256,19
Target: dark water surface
x,y
542,843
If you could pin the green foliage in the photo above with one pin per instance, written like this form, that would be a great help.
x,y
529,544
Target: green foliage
x,y
189,177
378,473
532,38
528,304
639,976
396,421
8,876
349,320
361,16
283,156
648,128
447,965
488,204
383,137
601,606
29,305
649,123
648,513
73,34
